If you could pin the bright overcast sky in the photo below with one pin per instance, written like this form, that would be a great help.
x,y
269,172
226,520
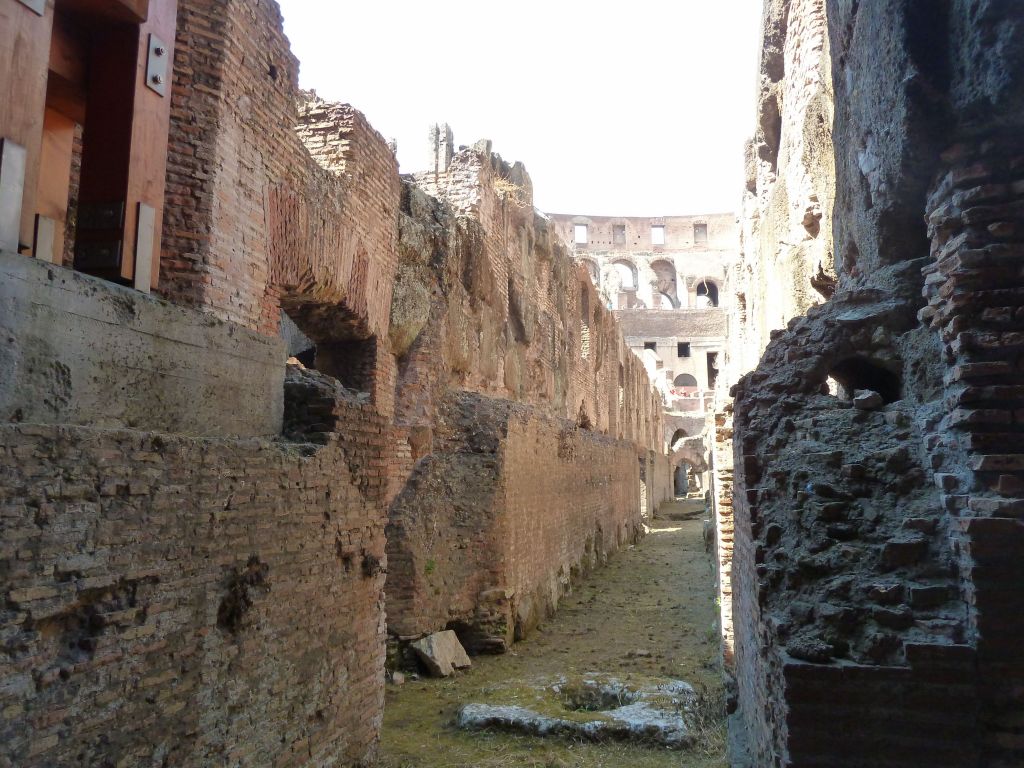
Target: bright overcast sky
x,y
637,108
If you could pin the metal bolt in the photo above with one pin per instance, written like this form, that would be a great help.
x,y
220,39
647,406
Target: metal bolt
x,y
158,79
160,50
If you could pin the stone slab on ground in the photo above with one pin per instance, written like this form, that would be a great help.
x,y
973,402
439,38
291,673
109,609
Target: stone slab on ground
x,y
651,714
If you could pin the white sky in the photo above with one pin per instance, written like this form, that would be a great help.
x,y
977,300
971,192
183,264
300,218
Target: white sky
x,y
636,108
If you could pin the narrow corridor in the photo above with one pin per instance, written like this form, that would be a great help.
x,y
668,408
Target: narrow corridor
x,y
649,616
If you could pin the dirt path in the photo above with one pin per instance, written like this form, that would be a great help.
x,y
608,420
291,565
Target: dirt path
x,y
649,614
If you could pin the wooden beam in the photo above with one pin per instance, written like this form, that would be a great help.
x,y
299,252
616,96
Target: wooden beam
x,y
148,168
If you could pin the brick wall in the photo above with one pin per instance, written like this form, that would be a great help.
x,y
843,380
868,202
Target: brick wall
x,y
484,540
973,286
190,602
254,220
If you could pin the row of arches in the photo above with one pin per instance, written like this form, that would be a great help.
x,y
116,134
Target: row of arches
x,y
666,289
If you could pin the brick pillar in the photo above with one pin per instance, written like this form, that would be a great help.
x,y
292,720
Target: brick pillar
x,y
975,288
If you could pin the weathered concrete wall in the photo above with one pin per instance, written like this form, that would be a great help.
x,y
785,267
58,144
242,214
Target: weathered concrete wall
x,y
876,571
82,351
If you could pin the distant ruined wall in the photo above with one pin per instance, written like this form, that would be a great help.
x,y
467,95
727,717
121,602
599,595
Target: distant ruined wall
x,y
531,432
876,572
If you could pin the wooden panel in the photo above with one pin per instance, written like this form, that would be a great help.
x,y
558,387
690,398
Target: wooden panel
x,y
24,53
145,242
148,177
46,246
55,172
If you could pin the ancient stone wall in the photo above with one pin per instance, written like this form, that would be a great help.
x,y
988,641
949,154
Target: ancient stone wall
x,y
189,586
877,536
506,355
247,231
786,258
472,542
156,586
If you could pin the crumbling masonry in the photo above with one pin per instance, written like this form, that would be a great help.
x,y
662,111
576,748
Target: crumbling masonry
x,y
200,533
879,456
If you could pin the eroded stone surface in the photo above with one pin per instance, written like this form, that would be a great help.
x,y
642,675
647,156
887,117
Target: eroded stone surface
x,y
606,709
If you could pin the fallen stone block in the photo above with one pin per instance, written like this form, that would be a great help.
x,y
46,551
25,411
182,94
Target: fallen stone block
x,y
442,653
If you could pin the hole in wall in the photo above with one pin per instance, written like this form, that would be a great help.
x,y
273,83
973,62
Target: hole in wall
x,y
859,372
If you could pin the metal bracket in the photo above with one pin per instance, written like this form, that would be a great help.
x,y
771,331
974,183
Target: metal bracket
x,y
157,65
39,6
13,159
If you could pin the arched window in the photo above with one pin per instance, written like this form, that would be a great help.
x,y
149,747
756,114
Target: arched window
x,y
677,437
707,294
684,380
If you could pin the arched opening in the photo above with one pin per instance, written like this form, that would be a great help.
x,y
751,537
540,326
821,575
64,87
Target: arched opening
x,y
677,437
684,380
665,285
664,301
707,294
857,372
595,273
685,480
627,274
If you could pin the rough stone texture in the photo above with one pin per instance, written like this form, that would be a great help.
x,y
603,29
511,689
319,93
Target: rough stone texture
x,y
646,714
786,255
82,351
876,571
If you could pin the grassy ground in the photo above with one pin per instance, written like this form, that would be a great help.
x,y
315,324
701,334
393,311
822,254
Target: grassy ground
x,y
649,614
